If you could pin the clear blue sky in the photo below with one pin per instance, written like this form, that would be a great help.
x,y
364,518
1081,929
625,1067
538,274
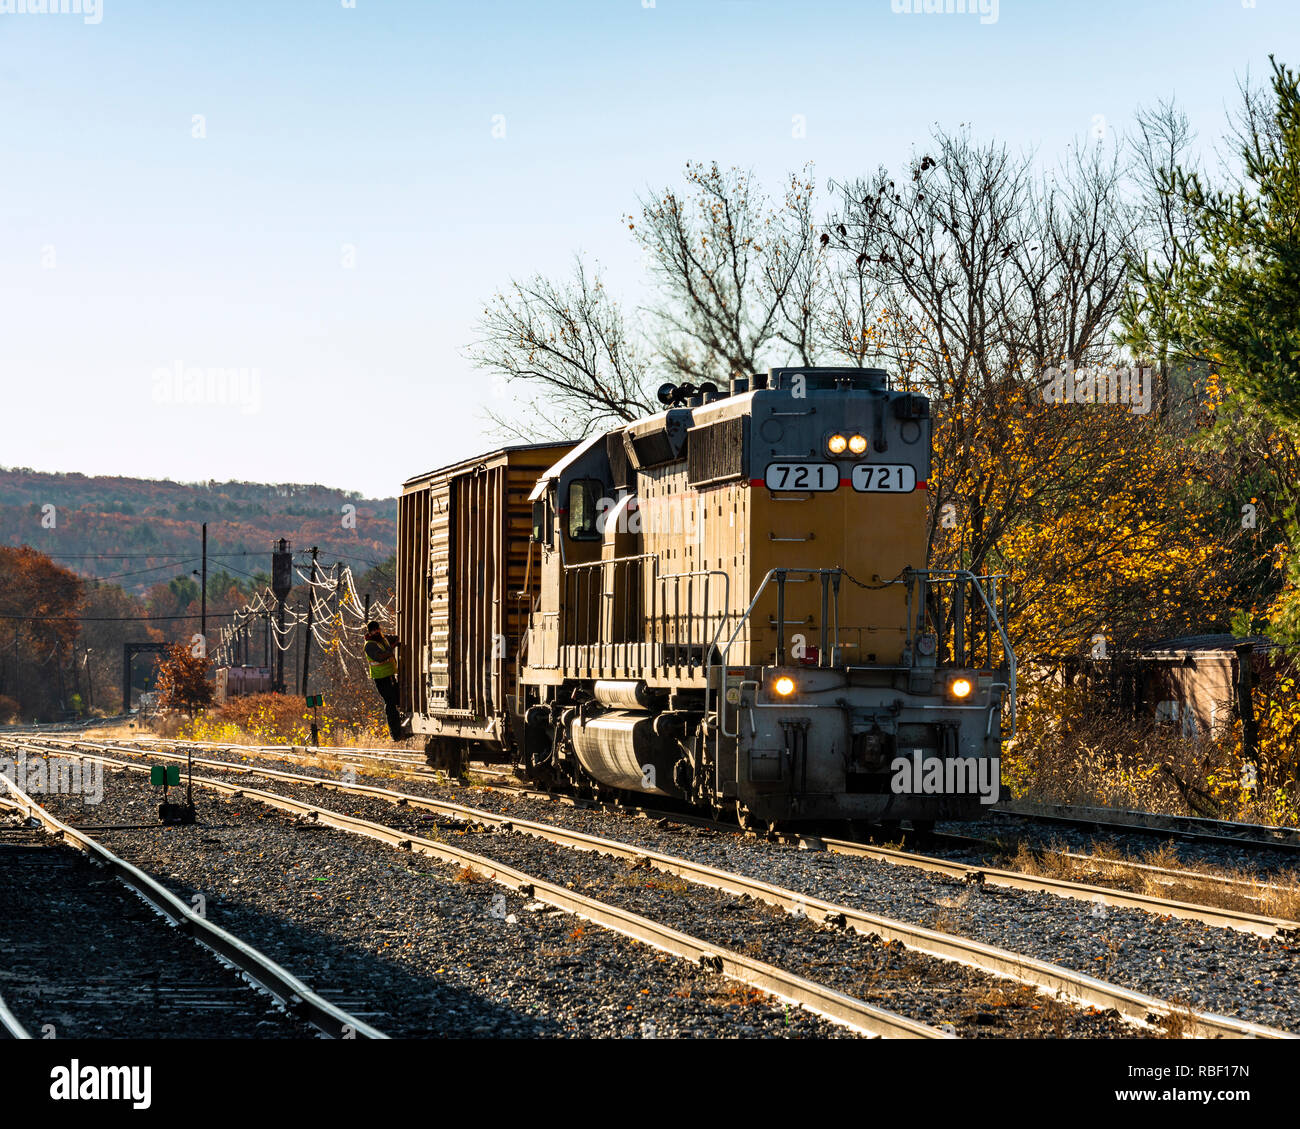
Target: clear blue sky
x,y
127,244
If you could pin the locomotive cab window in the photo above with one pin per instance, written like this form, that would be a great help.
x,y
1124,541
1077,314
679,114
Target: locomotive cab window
x,y
584,498
542,527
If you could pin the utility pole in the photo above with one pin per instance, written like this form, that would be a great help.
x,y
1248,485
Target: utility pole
x,y
281,583
203,607
311,604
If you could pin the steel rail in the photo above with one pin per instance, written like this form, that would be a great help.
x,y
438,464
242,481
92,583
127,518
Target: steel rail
x,y
10,1027
1056,980
396,756
1186,826
1176,875
1258,924
1184,876
291,992
846,1010
304,754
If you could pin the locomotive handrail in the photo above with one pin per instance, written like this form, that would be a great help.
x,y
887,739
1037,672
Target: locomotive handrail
x,y
723,615
658,586
744,618
939,575
612,560
574,619
965,575
771,572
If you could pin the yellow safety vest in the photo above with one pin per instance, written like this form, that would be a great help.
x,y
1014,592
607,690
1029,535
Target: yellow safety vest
x,y
387,667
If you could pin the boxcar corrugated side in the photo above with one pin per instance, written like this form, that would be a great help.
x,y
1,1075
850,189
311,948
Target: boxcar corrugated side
x,y
464,589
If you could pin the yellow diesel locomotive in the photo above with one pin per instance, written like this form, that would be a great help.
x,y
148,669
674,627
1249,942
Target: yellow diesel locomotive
x,y
727,603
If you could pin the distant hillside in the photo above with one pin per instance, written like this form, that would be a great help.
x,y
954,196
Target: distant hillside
x,y
152,528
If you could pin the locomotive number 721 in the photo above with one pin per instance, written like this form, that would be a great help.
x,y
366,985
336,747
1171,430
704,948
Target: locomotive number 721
x,y
884,478
801,476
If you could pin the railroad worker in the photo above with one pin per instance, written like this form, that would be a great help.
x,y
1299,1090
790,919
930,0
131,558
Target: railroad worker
x,y
381,654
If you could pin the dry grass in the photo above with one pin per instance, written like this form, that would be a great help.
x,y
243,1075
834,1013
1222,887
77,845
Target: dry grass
x,y
115,732
643,878
470,875
1072,750
262,719
736,995
1180,1023
948,919
1206,884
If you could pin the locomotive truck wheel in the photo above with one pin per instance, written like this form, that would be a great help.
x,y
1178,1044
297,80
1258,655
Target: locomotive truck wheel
x,y
449,756
890,830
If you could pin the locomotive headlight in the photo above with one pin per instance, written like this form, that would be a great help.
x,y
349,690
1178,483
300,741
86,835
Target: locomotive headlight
x,y
857,444
836,444
784,685
960,687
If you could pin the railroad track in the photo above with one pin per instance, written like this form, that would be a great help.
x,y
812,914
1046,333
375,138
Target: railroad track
x,y
53,892
858,1015
1263,925
1260,924
1248,888
1065,983
1107,895
1192,828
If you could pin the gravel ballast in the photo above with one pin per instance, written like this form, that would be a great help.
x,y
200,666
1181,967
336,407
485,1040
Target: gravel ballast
x,y
416,948
1212,969
923,988
84,957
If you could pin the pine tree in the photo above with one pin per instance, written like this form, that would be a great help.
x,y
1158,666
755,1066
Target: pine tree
x,y
1234,298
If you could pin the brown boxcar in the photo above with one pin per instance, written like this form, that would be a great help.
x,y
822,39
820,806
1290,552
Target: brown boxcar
x,y
464,589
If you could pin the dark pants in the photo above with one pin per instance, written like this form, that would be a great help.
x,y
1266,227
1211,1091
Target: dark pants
x,y
387,688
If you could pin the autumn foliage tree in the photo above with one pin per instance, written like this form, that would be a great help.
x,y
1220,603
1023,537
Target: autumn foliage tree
x,y
38,600
184,680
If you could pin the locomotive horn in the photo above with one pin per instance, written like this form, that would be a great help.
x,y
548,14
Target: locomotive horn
x,y
666,394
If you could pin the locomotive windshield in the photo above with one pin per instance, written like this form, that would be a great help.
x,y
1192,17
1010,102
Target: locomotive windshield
x,y
584,497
